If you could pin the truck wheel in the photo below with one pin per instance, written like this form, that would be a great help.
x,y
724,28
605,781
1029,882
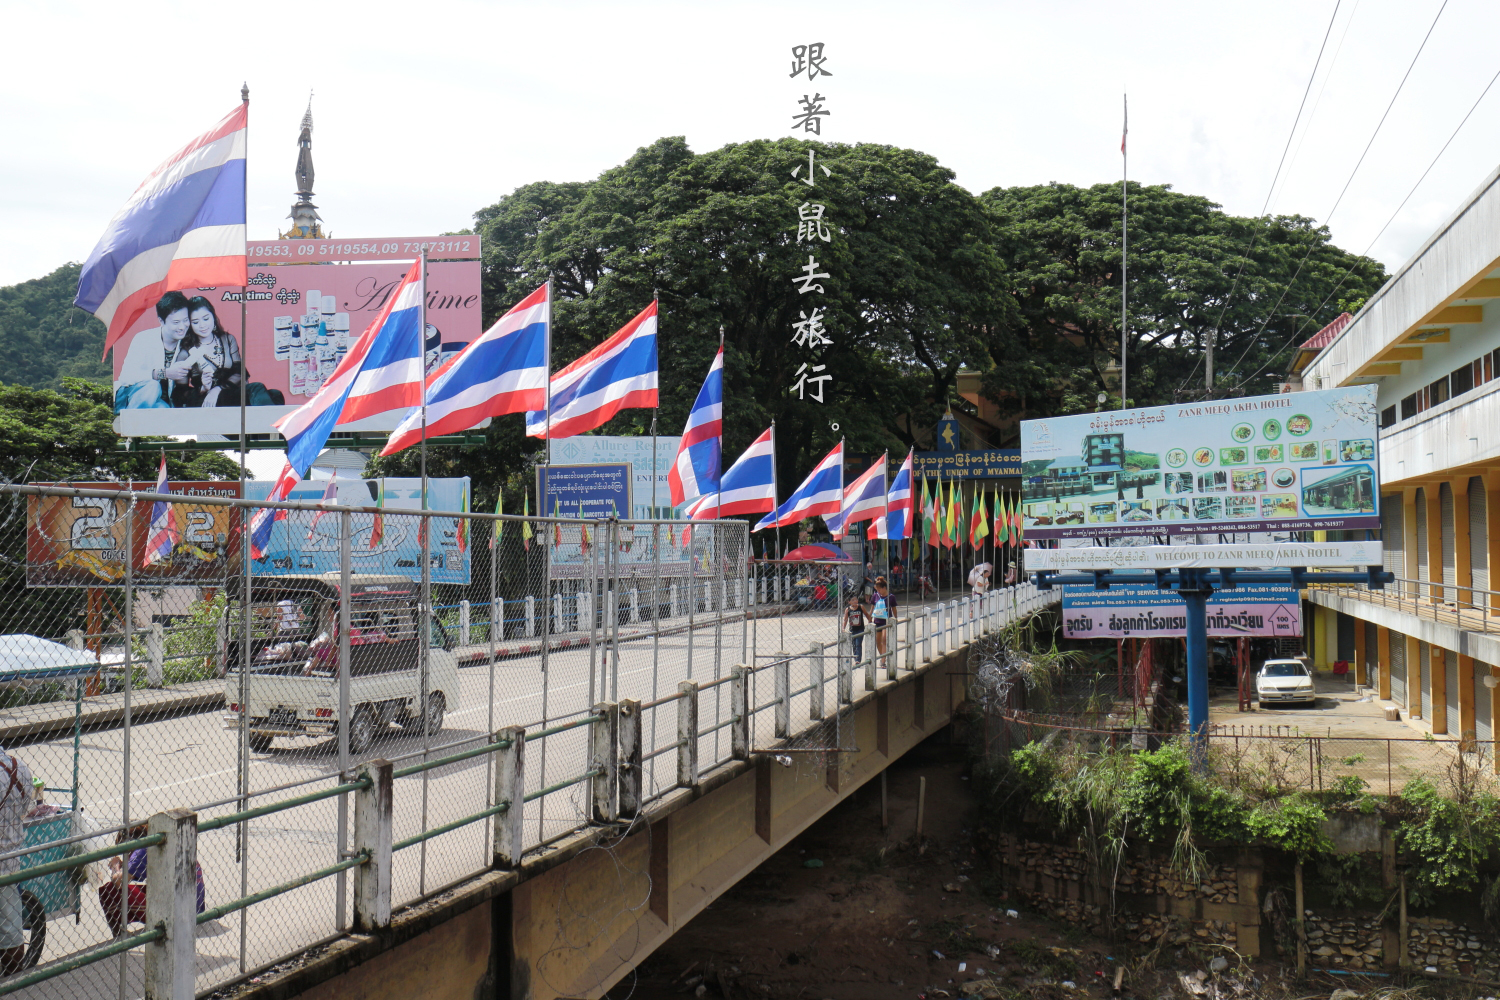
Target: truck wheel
x,y
259,743
437,707
34,923
361,731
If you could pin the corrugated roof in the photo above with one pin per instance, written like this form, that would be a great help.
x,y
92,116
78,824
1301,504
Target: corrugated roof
x,y
1325,336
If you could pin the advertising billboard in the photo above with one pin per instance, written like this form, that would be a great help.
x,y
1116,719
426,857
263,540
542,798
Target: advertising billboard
x,y
597,491
186,353
1136,610
1292,462
602,449
992,463
80,541
304,543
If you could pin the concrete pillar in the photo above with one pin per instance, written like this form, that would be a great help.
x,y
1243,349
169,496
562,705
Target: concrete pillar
x,y
156,640
1492,540
604,760
782,669
1465,696
815,680
172,903
1409,540
942,628
635,605
1463,570
372,834
631,786
911,640
739,708
846,669
1383,661
497,620
1438,668
1361,677
530,616
1434,543
510,786
687,734
1414,677
463,623
676,601
926,635
556,624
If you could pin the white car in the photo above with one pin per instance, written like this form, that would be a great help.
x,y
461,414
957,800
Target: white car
x,y
1283,681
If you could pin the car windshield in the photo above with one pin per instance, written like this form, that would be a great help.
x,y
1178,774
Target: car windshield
x,y
1285,670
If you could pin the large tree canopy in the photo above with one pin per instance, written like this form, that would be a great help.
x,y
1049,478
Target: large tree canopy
x,y
1063,247
44,338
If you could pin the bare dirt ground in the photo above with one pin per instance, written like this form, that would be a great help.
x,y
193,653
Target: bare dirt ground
x,y
851,911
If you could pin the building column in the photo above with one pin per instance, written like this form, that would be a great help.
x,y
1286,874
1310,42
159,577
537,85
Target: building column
x,y
1492,535
1413,677
1463,569
1434,543
1465,696
1328,636
1383,660
1409,536
1360,674
1438,668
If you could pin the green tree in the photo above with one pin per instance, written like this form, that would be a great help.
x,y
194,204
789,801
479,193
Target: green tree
x,y
45,338
917,288
1264,284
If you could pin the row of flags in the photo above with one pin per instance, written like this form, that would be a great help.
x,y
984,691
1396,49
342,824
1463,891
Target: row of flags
x,y
185,226
943,520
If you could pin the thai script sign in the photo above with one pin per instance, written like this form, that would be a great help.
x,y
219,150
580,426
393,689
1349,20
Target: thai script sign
x,y
1128,610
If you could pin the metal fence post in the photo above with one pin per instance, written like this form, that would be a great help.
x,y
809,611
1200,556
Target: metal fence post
x,y
372,835
155,653
783,672
631,785
463,622
530,616
815,681
687,734
739,709
172,904
510,786
604,761
911,642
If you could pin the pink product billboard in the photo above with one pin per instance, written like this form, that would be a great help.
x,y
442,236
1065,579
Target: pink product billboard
x,y
191,352
1130,611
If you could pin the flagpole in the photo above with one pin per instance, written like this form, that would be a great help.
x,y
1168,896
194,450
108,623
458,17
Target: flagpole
x,y
424,528
242,830
548,425
1124,249
656,300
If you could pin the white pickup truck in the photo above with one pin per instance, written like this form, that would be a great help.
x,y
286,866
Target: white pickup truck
x,y
294,662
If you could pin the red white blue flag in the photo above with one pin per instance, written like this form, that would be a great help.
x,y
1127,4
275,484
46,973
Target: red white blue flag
x,y
822,492
162,536
617,375
864,500
265,518
504,371
183,228
382,371
700,450
749,487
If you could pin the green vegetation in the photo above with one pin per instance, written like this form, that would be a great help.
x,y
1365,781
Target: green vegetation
x,y
44,338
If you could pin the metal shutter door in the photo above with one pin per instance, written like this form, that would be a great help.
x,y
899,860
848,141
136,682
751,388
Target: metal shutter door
x,y
1449,543
1391,528
1422,562
1424,696
1479,538
1483,725
1447,661
1398,669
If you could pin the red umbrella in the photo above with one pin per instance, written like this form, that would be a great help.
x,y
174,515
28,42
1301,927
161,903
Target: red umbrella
x,y
817,553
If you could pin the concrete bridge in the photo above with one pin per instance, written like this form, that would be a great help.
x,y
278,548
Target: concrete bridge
x,y
574,917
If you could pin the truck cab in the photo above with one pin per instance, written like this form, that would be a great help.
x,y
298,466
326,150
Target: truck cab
x,y
295,666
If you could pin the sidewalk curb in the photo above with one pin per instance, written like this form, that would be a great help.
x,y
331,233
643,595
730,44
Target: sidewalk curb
x,y
17,732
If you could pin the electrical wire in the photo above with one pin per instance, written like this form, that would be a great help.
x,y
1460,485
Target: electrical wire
x,y
1340,283
1345,190
1280,163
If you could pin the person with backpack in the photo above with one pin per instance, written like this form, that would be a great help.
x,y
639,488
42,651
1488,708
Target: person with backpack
x,y
15,802
854,624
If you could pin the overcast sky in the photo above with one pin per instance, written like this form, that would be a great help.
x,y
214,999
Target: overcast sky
x,y
425,113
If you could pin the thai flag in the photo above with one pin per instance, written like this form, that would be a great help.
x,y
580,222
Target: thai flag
x,y
898,517
183,228
504,371
822,492
864,500
162,536
617,375
265,518
699,453
382,371
330,494
749,487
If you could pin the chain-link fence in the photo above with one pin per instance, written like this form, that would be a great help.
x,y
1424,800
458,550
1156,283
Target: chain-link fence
x,y
146,667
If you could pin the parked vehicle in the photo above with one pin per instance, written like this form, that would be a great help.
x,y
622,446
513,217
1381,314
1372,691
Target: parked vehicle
x,y
293,685
1283,681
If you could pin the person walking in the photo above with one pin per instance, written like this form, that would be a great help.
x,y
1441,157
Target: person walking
x,y
16,800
